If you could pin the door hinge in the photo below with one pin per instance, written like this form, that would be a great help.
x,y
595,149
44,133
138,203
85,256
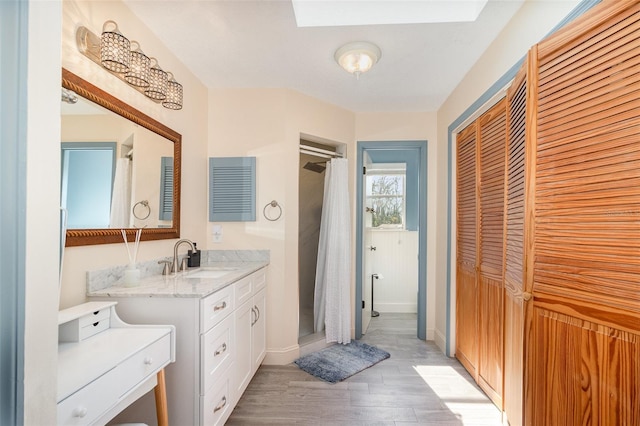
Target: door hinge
x,y
364,170
363,304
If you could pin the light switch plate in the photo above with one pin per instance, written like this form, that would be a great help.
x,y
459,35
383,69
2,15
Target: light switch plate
x,y
216,230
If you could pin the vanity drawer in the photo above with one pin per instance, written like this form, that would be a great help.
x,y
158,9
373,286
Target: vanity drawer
x,y
243,290
90,402
217,350
215,307
144,363
216,405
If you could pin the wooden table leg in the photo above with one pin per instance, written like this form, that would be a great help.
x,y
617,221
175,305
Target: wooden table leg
x,y
160,392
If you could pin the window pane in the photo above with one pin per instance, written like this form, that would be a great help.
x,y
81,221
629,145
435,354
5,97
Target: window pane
x,y
385,184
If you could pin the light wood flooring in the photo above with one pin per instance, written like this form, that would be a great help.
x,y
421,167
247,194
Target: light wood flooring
x,y
417,385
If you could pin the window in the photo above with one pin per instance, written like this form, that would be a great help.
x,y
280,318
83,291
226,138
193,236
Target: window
x,y
386,196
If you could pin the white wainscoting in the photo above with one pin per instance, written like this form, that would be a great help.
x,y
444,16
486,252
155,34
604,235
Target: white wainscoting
x,y
396,258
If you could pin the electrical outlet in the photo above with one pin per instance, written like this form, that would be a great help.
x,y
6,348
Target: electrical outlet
x,y
216,230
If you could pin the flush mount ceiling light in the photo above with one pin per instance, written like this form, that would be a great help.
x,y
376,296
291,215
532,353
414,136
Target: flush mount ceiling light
x,y
358,57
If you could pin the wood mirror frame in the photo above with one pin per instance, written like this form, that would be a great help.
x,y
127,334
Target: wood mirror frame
x,y
82,237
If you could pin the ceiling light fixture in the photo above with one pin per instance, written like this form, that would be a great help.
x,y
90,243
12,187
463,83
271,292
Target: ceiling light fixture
x,y
358,57
126,60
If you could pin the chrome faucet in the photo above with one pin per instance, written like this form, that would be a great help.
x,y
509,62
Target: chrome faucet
x,y
175,268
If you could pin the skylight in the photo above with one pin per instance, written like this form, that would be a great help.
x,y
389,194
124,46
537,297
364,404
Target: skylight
x,y
332,13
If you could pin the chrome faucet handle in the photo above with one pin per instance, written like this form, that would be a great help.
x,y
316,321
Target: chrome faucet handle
x,y
184,264
166,269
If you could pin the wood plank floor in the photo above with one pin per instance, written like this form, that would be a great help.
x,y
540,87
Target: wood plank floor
x,y
418,385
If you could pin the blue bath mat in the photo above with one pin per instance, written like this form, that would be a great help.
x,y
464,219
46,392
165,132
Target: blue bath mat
x,y
337,362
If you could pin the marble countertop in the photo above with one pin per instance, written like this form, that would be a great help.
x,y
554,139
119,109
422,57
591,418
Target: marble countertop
x,y
195,282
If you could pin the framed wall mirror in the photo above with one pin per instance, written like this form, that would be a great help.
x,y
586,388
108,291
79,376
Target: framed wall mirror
x,y
120,168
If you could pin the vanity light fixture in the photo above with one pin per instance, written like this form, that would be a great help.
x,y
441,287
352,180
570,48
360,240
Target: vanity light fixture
x,y
114,49
126,60
139,67
358,57
158,82
174,94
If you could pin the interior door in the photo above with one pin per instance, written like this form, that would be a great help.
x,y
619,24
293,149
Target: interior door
x,y
466,252
492,129
583,327
514,250
367,252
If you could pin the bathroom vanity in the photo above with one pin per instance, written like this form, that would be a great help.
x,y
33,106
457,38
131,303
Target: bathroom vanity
x,y
219,312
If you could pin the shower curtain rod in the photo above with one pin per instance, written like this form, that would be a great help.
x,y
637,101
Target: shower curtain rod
x,y
324,153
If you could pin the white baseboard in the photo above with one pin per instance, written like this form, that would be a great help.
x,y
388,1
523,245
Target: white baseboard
x,y
430,334
400,308
283,356
440,340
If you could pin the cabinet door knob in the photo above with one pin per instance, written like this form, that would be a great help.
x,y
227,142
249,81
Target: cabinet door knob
x,y
148,360
527,296
80,412
221,405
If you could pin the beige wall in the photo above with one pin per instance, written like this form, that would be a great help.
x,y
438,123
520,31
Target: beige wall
x,y
268,124
191,122
533,21
412,126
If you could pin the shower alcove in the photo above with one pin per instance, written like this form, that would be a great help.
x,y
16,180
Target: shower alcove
x,y
313,159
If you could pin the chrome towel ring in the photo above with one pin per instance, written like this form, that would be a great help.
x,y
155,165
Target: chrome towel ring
x,y
273,204
145,204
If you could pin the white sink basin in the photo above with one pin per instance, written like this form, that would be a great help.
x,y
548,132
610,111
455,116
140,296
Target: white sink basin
x,y
213,272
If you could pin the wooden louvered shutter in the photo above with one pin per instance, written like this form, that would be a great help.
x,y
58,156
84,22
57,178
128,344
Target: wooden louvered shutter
x,y
492,134
466,287
585,338
514,248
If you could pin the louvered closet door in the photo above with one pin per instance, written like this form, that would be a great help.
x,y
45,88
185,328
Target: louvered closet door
x,y
492,135
514,249
466,286
585,339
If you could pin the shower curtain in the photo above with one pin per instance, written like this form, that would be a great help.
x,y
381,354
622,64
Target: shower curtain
x,y
121,195
332,303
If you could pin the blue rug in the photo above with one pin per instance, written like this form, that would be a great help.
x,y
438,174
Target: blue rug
x,y
337,362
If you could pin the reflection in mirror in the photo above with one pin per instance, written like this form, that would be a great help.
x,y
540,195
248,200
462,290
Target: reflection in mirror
x,y
120,168
109,165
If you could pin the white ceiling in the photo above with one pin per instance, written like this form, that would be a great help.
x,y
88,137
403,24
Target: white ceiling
x,y
256,43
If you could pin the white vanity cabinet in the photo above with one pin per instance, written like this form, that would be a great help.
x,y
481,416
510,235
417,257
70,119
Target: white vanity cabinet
x,y
250,333
221,341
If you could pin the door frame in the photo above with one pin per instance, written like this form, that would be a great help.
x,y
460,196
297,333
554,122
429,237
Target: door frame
x,y
421,147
